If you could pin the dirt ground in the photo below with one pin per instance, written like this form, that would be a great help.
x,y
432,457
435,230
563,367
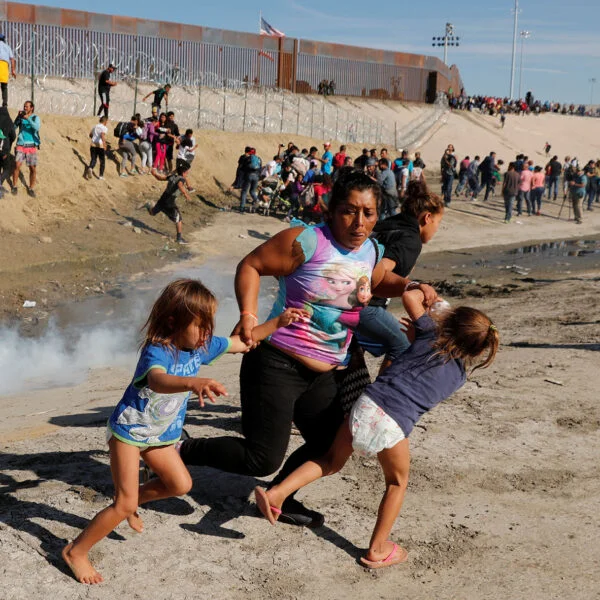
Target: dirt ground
x,y
504,496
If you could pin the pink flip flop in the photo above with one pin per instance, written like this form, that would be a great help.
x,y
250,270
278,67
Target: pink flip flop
x,y
396,556
262,501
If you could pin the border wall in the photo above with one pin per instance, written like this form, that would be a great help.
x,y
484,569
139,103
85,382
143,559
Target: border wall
x,y
222,79
53,42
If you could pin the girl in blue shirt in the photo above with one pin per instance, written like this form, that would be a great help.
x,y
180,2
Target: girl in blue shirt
x,y
148,420
430,371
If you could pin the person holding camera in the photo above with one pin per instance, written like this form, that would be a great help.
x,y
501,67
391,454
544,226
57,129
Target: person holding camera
x,y
28,144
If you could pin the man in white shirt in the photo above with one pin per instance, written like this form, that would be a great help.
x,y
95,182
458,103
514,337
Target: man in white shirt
x,y
98,148
6,59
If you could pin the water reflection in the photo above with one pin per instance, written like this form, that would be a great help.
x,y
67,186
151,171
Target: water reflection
x,y
559,248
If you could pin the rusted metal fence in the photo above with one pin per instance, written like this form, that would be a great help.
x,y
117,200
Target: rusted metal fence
x,y
56,43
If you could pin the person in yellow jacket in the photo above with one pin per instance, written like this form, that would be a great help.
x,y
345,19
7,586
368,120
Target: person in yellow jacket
x,y
7,63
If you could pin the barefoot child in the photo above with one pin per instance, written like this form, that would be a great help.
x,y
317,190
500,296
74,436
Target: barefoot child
x,y
148,420
381,420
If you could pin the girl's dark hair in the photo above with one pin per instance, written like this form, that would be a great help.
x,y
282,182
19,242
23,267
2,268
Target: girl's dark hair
x,y
182,301
420,199
348,180
466,333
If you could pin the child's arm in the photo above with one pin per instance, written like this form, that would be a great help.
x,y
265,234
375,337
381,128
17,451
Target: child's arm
x,y
183,190
260,332
413,303
158,175
162,383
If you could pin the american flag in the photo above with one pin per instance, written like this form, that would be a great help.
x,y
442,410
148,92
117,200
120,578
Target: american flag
x,y
266,29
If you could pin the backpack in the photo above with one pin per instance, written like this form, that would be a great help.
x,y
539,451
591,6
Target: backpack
x,y
121,129
254,162
338,160
300,165
307,195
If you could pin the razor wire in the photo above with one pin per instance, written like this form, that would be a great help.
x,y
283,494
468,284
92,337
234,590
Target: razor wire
x,y
59,73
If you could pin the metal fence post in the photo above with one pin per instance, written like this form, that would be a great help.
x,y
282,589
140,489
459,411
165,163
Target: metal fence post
x,y
245,109
265,117
199,104
135,91
33,63
224,107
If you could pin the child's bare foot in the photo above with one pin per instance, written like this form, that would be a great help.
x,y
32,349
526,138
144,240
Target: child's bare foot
x,y
81,566
135,522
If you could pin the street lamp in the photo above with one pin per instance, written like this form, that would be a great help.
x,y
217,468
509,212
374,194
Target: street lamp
x,y
592,82
448,39
514,50
524,35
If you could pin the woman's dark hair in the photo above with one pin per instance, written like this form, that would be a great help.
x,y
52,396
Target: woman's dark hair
x,y
420,199
349,180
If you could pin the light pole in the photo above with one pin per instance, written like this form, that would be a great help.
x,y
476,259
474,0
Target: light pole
x,y
448,39
592,82
514,50
524,35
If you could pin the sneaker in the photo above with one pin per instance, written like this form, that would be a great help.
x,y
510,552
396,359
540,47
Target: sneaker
x,y
13,190
294,512
123,175
31,192
182,241
101,177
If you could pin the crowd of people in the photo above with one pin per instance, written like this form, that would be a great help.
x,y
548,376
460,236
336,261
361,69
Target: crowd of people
x,y
495,105
300,181
524,184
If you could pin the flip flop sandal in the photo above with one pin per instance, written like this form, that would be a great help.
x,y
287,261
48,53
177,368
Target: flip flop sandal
x,y
396,556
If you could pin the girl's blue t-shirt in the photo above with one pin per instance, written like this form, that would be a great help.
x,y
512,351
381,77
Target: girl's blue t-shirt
x,y
147,418
417,380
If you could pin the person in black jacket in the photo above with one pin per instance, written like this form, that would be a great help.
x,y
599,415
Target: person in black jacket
x,y
403,236
7,128
487,168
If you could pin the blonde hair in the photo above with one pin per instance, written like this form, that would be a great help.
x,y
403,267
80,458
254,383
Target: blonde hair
x,y
182,301
466,333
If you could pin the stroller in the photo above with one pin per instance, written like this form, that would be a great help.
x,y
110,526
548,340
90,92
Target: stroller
x,y
269,197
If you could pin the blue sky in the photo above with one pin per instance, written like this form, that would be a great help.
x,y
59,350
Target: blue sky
x,y
561,56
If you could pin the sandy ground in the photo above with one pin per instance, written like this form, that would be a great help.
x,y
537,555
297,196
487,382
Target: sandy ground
x,y
504,495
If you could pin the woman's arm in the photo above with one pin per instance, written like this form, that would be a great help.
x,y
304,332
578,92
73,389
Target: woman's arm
x,y
279,256
413,301
386,284
260,332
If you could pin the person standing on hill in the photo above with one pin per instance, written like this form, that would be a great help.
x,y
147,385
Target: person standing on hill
x,y
554,171
98,148
28,143
171,138
389,191
487,168
448,169
7,60
327,159
250,172
159,94
510,188
577,190
104,85
7,138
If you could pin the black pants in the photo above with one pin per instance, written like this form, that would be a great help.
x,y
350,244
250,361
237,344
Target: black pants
x,y
4,87
104,101
97,154
275,390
